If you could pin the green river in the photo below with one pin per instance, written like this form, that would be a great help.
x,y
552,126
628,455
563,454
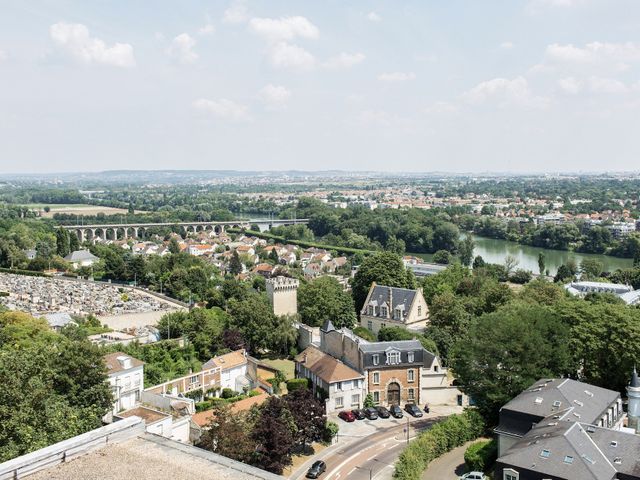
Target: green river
x,y
495,251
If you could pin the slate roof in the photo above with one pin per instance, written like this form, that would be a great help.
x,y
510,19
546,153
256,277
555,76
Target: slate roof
x,y
80,255
421,357
560,449
550,396
400,297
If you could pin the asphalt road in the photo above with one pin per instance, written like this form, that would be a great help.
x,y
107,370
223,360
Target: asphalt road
x,y
370,457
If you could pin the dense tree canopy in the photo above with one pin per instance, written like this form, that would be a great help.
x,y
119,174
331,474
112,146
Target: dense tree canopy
x,y
324,299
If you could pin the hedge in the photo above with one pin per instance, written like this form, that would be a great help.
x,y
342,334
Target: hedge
x,y
456,430
296,384
302,243
480,456
29,273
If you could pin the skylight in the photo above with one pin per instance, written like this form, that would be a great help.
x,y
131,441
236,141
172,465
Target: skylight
x,y
568,459
545,453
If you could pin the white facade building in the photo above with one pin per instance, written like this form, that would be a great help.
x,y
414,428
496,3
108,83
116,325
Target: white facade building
x,y
126,380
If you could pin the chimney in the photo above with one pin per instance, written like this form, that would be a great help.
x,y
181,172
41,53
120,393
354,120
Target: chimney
x,y
390,301
304,358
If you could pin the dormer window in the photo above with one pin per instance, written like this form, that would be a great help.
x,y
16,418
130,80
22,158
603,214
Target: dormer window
x,y
410,357
393,358
383,311
376,359
370,310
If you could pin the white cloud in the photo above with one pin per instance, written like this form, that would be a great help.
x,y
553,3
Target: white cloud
x,y
181,49
607,85
3,55
207,29
374,17
74,38
594,54
292,57
224,108
505,93
284,28
396,76
570,85
507,45
274,96
344,60
236,13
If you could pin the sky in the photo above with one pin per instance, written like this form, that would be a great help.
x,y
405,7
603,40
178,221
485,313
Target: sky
x,y
398,86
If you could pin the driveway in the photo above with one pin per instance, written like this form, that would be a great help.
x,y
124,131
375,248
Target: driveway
x,y
448,466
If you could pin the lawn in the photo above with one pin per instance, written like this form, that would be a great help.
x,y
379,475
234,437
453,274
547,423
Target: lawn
x,y
285,366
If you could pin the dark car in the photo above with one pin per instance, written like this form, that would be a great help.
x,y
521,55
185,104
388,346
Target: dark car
x,y
413,410
347,416
426,408
371,413
383,412
396,411
359,414
317,469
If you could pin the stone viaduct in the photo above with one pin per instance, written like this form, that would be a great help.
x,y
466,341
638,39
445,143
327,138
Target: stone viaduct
x,y
125,231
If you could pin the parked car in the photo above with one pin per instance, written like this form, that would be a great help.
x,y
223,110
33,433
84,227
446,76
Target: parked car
x,y
347,416
473,476
359,414
426,408
317,469
371,413
396,411
413,410
383,412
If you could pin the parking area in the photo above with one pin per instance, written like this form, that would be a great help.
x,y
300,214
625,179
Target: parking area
x,y
363,428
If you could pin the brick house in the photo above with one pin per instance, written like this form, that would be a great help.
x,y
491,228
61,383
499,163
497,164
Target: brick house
x,y
395,372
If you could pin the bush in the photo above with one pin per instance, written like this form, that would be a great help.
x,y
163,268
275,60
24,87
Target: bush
x,y
441,438
521,276
480,456
364,333
330,431
297,384
442,257
227,393
368,401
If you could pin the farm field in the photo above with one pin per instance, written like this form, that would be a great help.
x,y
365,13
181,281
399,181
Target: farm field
x,y
77,209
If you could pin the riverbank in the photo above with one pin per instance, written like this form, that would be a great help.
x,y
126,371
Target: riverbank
x,y
495,250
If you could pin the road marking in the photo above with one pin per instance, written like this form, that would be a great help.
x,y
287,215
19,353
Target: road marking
x,y
352,470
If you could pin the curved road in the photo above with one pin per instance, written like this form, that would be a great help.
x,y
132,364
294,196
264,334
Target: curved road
x,y
369,457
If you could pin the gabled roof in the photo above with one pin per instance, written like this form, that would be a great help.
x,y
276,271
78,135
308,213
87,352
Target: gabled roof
x,y
80,255
400,297
114,365
329,369
226,361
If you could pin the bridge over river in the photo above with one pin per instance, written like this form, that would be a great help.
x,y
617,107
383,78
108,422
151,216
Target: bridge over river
x,y
115,231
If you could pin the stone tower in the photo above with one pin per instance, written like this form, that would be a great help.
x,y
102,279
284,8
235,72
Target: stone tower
x,y
283,295
633,392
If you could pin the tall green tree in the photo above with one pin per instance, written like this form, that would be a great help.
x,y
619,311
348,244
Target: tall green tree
x,y
504,352
384,268
324,299
62,242
465,250
541,263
